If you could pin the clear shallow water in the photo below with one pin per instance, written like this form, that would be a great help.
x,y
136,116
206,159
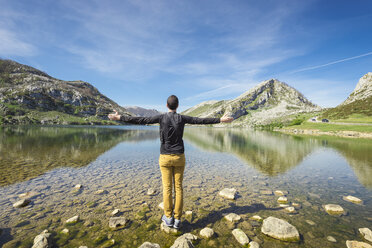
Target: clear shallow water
x,y
123,161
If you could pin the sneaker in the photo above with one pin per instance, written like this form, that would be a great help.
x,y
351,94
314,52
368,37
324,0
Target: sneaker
x,y
177,224
167,221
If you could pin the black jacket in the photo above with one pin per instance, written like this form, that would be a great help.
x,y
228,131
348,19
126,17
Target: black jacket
x,y
171,128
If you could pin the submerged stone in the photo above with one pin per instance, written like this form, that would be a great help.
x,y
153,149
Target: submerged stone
x,y
228,193
331,239
151,191
22,203
73,219
115,222
232,217
78,186
352,199
115,212
256,218
108,243
28,195
240,236
283,200
149,245
334,209
206,232
266,192
366,233
253,244
310,222
42,240
290,210
279,193
280,229
357,244
100,192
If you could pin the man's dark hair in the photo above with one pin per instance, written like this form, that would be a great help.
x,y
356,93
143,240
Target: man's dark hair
x,y
172,102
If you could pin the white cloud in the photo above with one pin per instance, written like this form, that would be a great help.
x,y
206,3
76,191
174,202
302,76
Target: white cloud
x,y
12,45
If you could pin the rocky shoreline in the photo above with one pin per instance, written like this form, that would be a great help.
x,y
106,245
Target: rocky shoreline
x,y
316,132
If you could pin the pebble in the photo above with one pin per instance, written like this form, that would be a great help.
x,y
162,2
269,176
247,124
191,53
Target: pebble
x,y
283,200
333,209
228,193
65,231
151,191
232,217
167,229
290,210
279,193
310,222
366,233
331,239
256,218
266,192
78,186
100,192
73,219
240,236
206,232
161,205
115,212
352,199
280,229
116,222
296,205
357,244
22,203
149,245
188,213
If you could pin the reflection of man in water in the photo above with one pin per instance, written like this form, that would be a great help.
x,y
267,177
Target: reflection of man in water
x,y
172,157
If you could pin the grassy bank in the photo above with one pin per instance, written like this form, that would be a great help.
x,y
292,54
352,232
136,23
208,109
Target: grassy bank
x,y
329,127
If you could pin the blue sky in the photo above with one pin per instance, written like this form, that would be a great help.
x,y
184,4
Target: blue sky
x,y
139,52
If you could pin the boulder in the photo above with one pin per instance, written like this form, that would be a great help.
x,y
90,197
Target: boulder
x,y
240,236
149,245
116,222
184,241
232,217
228,193
22,203
352,199
206,232
42,240
280,229
334,209
357,244
366,233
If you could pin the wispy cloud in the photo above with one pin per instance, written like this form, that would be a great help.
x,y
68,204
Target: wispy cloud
x,y
13,45
332,63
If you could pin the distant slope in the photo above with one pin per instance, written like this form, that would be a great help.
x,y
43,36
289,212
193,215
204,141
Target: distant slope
x,y
28,95
358,102
261,105
138,111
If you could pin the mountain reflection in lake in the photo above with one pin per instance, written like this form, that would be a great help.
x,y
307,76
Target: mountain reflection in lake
x,y
117,165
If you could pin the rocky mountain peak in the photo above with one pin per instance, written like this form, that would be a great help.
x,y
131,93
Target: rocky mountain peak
x,y
362,90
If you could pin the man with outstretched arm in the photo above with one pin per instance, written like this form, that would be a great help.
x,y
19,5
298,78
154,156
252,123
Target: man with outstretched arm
x,y
172,157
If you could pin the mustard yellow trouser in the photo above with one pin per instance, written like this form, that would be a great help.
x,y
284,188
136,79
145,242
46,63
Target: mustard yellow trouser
x,y
172,167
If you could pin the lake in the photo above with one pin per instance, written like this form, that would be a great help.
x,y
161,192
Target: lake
x,y
117,165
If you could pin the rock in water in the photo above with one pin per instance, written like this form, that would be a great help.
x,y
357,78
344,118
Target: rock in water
x,y
352,199
290,210
240,236
366,233
228,193
283,200
73,219
42,240
280,229
331,239
161,205
184,241
232,217
253,244
115,212
334,209
357,244
78,186
149,245
28,195
279,193
115,222
151,191
22,203
206,232
256,218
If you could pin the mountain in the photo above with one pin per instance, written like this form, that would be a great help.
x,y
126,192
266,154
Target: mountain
x,y
28,95
261,105
359,101
138,111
